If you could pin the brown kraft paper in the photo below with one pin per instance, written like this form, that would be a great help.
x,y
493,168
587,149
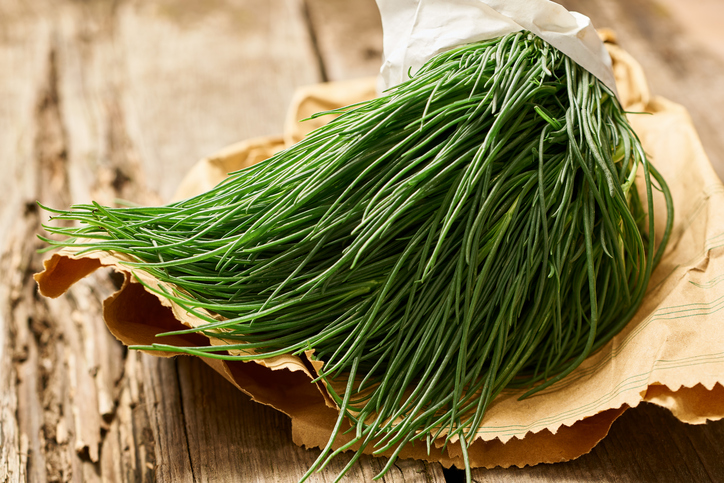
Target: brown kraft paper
x,y
670,354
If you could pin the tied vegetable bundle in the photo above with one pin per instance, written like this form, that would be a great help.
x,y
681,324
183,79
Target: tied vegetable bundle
x,y
475,228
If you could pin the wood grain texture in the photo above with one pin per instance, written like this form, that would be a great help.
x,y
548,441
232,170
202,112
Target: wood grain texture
x,y
22,50
254,441
67,366
58,420
109,99
203,75
128,450
348,37
116,99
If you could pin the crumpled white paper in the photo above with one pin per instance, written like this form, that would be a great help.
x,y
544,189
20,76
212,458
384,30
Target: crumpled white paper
x,y
416,30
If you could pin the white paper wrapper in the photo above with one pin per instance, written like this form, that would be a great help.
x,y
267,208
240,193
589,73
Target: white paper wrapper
x,y
416,30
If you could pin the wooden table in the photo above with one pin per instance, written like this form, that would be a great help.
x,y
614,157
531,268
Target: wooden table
x,y
114,99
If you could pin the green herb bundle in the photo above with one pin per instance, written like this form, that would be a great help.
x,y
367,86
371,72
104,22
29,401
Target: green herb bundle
x,y
475,228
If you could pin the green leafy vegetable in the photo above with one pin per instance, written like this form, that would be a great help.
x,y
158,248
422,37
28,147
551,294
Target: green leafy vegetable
x,y
474,229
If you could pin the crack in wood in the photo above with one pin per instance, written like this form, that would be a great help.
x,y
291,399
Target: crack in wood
x,y
311,28
128,452
59,380
40,355
121,175
51,141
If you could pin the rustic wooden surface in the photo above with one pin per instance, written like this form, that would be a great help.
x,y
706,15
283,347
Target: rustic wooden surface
x,y
106,99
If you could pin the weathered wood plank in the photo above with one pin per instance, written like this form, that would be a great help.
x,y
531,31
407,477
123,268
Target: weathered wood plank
x,y
165,409
35,161
59,371
253,442
128,452
203,75
23,51
348,37
70,392
117,99
24,39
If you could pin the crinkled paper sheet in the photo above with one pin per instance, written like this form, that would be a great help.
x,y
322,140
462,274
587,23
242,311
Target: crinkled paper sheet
x,y
671,354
